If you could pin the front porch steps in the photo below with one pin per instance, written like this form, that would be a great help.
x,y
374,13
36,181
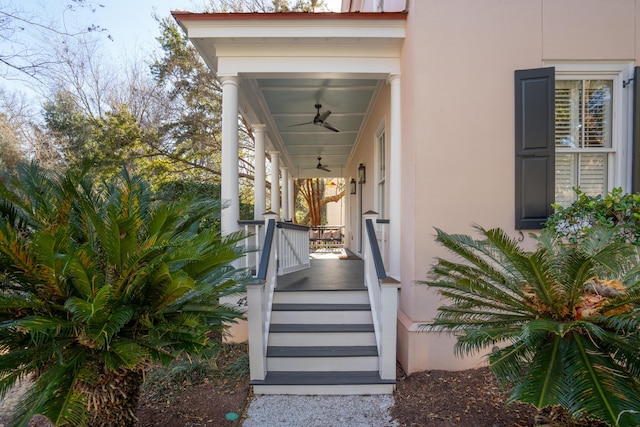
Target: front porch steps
x,y
322,342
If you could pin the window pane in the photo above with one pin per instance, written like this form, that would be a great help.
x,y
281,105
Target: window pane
x,y
568,112
597,113
593,173
566,178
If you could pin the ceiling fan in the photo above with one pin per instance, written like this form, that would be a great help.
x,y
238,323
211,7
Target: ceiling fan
x,y
321,166
319,120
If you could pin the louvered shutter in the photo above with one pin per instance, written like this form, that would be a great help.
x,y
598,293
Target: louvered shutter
x,y
534,148
636,131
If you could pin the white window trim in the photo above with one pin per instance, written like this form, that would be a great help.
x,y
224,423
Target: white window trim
x,y
381,129
620,165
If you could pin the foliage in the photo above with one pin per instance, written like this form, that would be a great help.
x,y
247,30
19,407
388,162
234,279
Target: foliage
x,y
98,285
229,364
614,211
313,193
564,319
268,6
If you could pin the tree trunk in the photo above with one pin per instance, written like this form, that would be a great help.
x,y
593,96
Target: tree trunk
x,y
112,400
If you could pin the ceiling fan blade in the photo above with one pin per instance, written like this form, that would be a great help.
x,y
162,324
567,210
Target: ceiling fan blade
x,y
322,117
326,169
330,127
300,124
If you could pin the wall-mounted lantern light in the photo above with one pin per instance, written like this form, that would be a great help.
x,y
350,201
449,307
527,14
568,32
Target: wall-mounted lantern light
x,y
362,178
352,186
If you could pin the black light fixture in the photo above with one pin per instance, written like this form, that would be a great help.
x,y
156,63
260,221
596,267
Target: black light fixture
x,y
362,178
352,186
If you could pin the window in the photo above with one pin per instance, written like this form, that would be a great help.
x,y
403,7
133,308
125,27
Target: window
x,y
583,138
380,175
573,129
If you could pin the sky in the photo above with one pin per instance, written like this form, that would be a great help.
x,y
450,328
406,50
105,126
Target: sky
x,y
129,24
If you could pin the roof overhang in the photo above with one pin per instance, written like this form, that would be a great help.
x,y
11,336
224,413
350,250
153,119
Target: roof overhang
x,y
345,54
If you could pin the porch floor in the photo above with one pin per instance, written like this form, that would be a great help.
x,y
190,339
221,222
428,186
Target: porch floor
x,y
328,272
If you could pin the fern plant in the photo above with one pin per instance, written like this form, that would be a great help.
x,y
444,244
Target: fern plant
x,y
96,285
563,321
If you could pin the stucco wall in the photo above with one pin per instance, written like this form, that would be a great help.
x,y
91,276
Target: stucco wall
x,y
364,153
458,124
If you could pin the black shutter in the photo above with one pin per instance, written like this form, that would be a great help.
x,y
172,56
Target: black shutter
x,y
635,183
535,146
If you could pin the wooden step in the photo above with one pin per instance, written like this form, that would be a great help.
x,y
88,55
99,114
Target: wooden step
x,y
322,296
320,307
322,351
322,359
311,382
315,334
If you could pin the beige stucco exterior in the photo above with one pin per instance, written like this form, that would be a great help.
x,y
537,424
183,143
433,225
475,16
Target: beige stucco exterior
x,y
457,89
455,158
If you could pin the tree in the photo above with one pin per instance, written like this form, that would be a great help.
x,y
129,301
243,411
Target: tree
x,y
98,285
313,192
564,319
268,6
20,31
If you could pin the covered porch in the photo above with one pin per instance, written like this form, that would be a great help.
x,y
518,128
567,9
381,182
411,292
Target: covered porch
x,y
310,85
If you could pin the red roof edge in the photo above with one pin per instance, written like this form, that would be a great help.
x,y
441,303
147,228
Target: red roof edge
x,y
260,16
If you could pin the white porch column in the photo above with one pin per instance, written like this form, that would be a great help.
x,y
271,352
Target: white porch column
x,y
275,182
259,181
230,186
292,205
285,193
395,178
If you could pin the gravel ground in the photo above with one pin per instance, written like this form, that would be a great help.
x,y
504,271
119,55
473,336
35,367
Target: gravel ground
x,y
320,411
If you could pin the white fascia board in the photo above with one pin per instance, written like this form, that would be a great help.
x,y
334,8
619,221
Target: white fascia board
x,y
235,65
379,49
340,28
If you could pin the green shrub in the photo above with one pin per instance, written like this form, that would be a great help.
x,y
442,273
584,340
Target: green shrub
x,y
564,320
615,210
97,285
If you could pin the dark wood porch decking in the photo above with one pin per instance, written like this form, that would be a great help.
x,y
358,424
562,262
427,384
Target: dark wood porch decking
x,y
325,274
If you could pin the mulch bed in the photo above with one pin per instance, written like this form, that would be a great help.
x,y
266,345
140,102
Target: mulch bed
x,y
468,398
463,398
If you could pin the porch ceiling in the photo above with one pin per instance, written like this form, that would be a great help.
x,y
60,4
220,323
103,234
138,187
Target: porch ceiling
x,y
287,63
287,102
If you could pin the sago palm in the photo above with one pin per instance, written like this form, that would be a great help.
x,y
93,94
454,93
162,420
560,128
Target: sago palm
x,y
563,321
97,285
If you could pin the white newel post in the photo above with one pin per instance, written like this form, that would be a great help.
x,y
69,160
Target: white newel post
x,y
370,277
229,192
259,181
259,301
388,320
257,353
285,194
275,182
395,179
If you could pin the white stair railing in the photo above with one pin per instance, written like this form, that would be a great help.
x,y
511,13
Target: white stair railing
x,y
259,302
293,248
383,297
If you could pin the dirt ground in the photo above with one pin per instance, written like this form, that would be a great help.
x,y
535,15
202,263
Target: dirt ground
x,y
468,398
425,399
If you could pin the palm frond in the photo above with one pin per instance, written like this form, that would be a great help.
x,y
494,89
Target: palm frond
x,y
598,386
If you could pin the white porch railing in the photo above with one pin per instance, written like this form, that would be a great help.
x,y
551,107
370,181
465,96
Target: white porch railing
x,y
252,243
260,300
284,248
293,248
292,245
383,297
